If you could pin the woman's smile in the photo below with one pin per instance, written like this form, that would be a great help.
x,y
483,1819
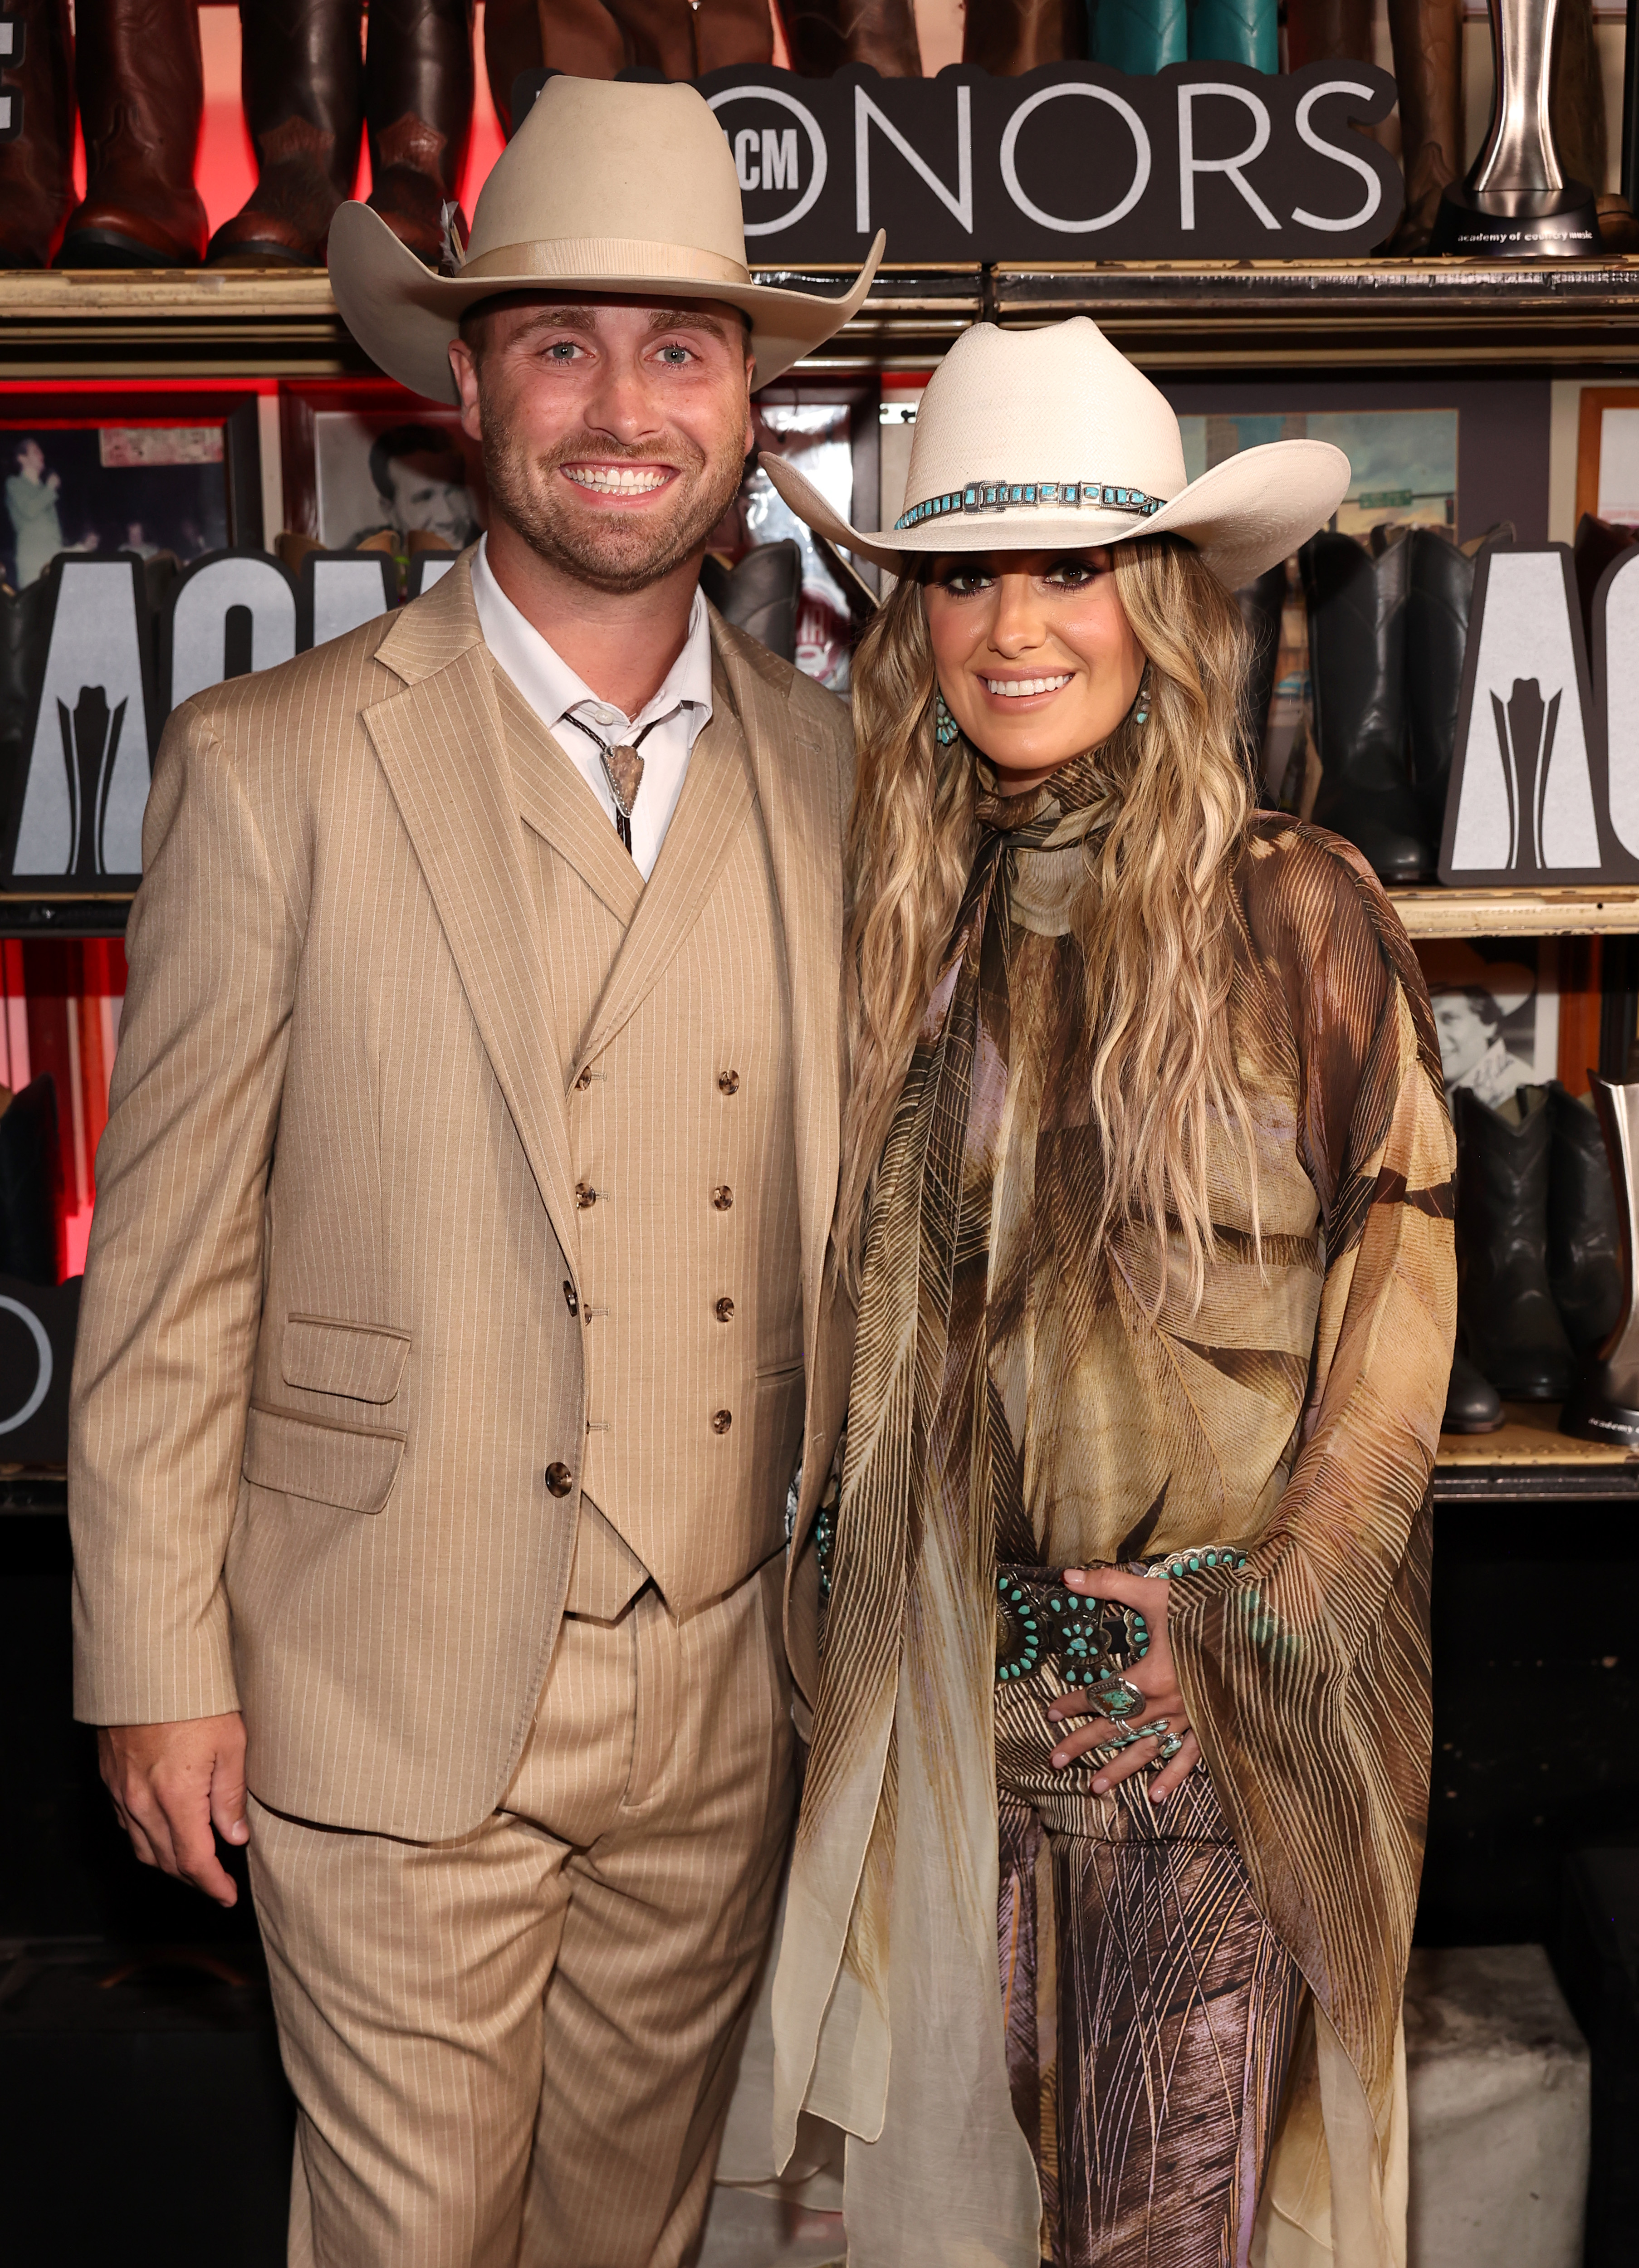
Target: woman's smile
x,y
1026,688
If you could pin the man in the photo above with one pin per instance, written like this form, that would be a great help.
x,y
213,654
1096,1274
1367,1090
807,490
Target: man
x,y
422,482
453,1316
31,504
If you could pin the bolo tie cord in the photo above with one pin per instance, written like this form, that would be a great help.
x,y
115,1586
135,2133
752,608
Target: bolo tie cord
x,y
625,796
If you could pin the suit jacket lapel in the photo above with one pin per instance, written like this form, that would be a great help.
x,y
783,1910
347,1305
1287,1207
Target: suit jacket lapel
x,y
554,800
441,743
716,800
800,793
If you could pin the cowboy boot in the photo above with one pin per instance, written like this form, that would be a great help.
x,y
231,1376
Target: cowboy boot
x,y
1598,542
1584,1235
1357,670
687,37
1235,32
1427,37
1261,604
1576,97
1512,1326
419,114
142,91
1439,591
760,593
1139,37
1473,1405
824,35
36,189
302,78
1006,37
1328,31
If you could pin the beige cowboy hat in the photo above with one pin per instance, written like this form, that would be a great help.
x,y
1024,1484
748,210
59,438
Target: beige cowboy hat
x,y
607,186
1049,440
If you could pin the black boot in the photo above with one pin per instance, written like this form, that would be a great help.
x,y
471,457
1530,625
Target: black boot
x,y
1261,605
1472,1404
760,595
1511,1325
1439,593
1356,664
1598,542
1584,1240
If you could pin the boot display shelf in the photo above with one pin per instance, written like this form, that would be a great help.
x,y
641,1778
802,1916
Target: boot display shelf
x,y
1530,1461
1431,912
1201,315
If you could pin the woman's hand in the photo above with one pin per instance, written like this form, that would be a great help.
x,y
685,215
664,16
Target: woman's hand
x,y
1155,1677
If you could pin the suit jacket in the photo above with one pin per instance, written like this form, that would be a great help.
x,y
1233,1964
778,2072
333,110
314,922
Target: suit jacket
x,y
330,1407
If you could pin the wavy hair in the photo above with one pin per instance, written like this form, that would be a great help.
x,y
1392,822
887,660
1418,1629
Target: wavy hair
x,y
1154,917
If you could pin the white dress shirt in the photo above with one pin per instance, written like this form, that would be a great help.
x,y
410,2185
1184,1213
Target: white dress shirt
x,y
682,706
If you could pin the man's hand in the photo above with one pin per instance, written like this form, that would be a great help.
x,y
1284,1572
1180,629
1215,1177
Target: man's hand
x,y
171,1784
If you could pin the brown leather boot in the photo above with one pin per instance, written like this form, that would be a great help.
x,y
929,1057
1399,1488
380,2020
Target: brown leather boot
x,y
1428,38
595,39
302,78
1005,37
824,35
36,188
1328,31
687,37
142,91
419,114
1577,108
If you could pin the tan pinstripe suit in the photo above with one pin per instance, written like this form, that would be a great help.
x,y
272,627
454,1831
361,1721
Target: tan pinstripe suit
x,y
445,1158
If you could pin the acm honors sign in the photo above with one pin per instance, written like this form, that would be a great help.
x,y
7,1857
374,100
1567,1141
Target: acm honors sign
x,y
1072,162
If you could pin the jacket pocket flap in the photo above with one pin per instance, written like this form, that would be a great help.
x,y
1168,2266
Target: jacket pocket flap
x,y
356,1360
325,1462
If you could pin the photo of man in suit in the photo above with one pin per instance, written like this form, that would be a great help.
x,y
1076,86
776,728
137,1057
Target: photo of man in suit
x,y
456,1309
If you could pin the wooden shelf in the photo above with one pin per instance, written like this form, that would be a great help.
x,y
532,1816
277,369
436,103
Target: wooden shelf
x,y
1585,911
1530,1461
1428,913
1376,315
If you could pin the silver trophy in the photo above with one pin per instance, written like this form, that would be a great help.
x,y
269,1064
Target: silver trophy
x,y
1517,203
1604,1404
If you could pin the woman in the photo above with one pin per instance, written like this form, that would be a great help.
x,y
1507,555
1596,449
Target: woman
x,y
1100,1909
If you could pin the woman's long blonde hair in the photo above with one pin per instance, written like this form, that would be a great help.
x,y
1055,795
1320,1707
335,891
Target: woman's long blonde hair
x,y
1153,917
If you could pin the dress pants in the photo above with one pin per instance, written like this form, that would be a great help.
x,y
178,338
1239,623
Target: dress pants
x,y
518,2047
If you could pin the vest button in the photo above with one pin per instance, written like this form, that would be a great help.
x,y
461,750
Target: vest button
x,y
722,1196
585,1194
559,1479
570,1300
725,1311
721,1420
583,1082
729,1082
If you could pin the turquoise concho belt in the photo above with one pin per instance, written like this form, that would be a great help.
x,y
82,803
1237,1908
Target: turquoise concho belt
x,y
1040,1620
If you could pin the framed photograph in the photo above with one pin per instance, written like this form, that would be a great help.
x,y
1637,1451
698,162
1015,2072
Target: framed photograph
x,y
830,431
1496,1010
1469,455
1404,461
150,474
361,457
1607,454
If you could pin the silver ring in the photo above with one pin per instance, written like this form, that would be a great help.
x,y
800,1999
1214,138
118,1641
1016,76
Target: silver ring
x,y
1117,1697
1169,1748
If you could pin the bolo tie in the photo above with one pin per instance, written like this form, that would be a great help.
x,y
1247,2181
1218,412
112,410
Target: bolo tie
x,y
622,768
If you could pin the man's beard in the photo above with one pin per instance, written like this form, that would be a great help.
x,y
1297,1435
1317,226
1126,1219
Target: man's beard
x,y
614,552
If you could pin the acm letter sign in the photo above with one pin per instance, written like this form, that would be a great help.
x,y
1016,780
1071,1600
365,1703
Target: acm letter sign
x,y
1203,161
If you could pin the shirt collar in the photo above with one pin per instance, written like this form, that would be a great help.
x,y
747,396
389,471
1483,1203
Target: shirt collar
x,y
553,689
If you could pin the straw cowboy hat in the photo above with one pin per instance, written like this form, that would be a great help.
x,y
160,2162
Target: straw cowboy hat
x,y
1049,440
607,186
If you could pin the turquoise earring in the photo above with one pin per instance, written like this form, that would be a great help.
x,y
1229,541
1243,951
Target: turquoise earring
x,y
946,729
1140,709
